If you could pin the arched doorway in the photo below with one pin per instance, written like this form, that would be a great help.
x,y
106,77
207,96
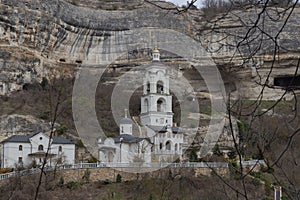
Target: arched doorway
x,y
110,156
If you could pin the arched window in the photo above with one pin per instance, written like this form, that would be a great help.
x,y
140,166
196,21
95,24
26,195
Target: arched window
x,y
20,148
146,104
168,145
148,87
41,148
60,148
161,104
160,87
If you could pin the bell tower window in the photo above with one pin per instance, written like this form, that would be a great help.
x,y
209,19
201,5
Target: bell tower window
x,y
148,87
168,145
161,104
146,104
160,87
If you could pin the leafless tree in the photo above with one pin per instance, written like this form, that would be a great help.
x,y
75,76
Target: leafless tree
x,y
255,43
58,99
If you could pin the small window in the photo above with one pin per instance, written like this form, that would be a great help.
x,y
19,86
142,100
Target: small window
x,y
20,160
122,129
148,87
41,148
41,138
60,148
160,146
20,148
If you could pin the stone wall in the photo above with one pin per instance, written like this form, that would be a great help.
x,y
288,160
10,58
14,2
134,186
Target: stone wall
x,y
101,174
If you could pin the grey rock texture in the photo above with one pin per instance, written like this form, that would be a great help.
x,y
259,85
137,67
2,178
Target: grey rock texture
x,y
38,35
245,43
52,33
21,125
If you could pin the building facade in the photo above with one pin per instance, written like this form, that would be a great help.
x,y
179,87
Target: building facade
x,y
125,148
157,115
28,150
163,141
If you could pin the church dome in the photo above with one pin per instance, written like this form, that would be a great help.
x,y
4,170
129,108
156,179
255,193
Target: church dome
x,y
155,51
125,121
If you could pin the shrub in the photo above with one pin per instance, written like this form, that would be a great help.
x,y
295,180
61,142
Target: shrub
x,y
151,197
87,175
193,155
44,82
256,182
45,115
5,170
217,151
80,144
33,164
232,154
243,128
267,169
73,185
61,130
119,178
92,159
106,182
61,181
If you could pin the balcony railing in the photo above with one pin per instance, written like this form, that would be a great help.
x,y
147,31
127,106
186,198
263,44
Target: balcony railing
x,y
130,165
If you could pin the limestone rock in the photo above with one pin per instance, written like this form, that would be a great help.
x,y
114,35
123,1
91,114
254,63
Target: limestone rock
x,y
21,125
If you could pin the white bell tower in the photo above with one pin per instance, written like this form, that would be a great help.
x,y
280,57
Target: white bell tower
x,y
156,102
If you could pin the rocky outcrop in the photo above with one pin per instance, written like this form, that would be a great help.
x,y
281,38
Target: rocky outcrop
x,y
254,46
37,35
21,125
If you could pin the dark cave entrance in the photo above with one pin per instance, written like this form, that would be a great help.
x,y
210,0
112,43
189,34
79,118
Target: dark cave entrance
x,y
287,81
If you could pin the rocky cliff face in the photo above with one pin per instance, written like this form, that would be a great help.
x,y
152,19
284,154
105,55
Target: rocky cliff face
x,y
251,44
38,35
21,125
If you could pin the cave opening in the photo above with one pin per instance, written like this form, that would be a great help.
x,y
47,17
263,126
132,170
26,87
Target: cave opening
x,y
287,81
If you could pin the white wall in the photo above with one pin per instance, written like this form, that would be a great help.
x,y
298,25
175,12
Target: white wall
x,y
11,153
126,152
67,153
126,129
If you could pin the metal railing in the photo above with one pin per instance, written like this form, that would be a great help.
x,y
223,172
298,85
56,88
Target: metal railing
x,y
130,165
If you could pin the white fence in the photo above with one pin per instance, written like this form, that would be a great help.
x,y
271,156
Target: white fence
x,y
131,165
